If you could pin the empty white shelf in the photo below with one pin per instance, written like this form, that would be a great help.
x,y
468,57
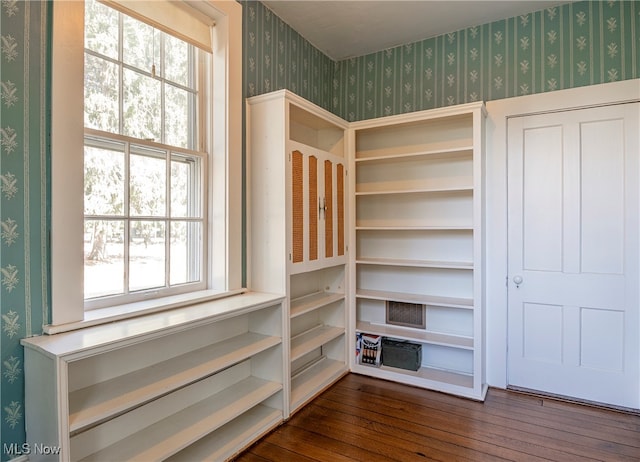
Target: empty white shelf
x,y
103,400
415,263
314,338
437,376
451,302
370,227
223,443
304,386
170,435
416,191
313,301
396,155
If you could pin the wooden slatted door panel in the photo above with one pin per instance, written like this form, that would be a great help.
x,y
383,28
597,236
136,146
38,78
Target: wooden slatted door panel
x,y
297,201
318,207
328,209
313,208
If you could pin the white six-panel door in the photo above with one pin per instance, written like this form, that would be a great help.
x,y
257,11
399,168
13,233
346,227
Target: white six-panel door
x,y
573,254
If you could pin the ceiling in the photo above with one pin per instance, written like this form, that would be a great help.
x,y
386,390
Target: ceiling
x,y
349,28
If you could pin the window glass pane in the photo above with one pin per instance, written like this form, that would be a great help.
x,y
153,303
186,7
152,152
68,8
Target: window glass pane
x,y
103,258
147,189
101,29
101,94
186,249
131,198
146,255
141,106
177,56
104,177
140,44
178,107
181,187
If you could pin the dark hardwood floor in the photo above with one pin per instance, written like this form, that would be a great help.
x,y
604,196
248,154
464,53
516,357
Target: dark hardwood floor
x,y
365,419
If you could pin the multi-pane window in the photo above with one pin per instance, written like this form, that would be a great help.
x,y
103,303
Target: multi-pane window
x,y
144,161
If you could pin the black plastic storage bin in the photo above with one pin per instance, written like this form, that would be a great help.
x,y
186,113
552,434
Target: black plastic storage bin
x,y
401,354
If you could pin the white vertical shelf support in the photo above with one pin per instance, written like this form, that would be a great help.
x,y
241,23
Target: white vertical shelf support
x,y
298,212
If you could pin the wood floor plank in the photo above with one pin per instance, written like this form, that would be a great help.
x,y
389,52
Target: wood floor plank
x,y
362,418
553,407
407,434
474,437
273,452
578,425
361,436
307,442
535,431
251,457
592,445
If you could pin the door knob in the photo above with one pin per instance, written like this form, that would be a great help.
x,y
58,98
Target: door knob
x,y
517,280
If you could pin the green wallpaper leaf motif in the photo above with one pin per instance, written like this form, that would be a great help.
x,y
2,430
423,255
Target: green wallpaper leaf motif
x,y
571,45
23,198
277,57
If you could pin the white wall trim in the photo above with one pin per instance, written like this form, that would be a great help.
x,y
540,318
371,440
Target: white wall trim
x,y
496,195
67,147
67,170
225,227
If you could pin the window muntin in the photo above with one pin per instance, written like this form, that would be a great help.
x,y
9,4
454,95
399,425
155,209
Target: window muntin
x,y
144,172
139,81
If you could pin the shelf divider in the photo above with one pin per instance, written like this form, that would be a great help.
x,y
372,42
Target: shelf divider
x,y
306,342
463,150
418,335
415,263
302,305
451,302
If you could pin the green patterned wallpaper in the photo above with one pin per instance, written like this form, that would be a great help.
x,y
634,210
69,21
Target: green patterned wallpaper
x,y
571,45
277,57
23,198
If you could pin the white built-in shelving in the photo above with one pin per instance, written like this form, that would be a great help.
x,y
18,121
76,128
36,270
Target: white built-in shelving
x,y
297,158
344,220
417,229
206,379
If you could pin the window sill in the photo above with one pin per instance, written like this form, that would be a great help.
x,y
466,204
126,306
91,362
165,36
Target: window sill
x,y
132,310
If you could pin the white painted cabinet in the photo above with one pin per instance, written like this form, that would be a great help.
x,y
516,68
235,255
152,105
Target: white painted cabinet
x,y
297,183
195,383
416,270
414,274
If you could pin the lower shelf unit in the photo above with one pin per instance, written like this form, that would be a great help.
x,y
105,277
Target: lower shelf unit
x,y
448,360
305,383
318,333
196,383
425,377
432,373
317,360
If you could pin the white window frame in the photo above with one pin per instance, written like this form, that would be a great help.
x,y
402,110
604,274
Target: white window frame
x,y
67,168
